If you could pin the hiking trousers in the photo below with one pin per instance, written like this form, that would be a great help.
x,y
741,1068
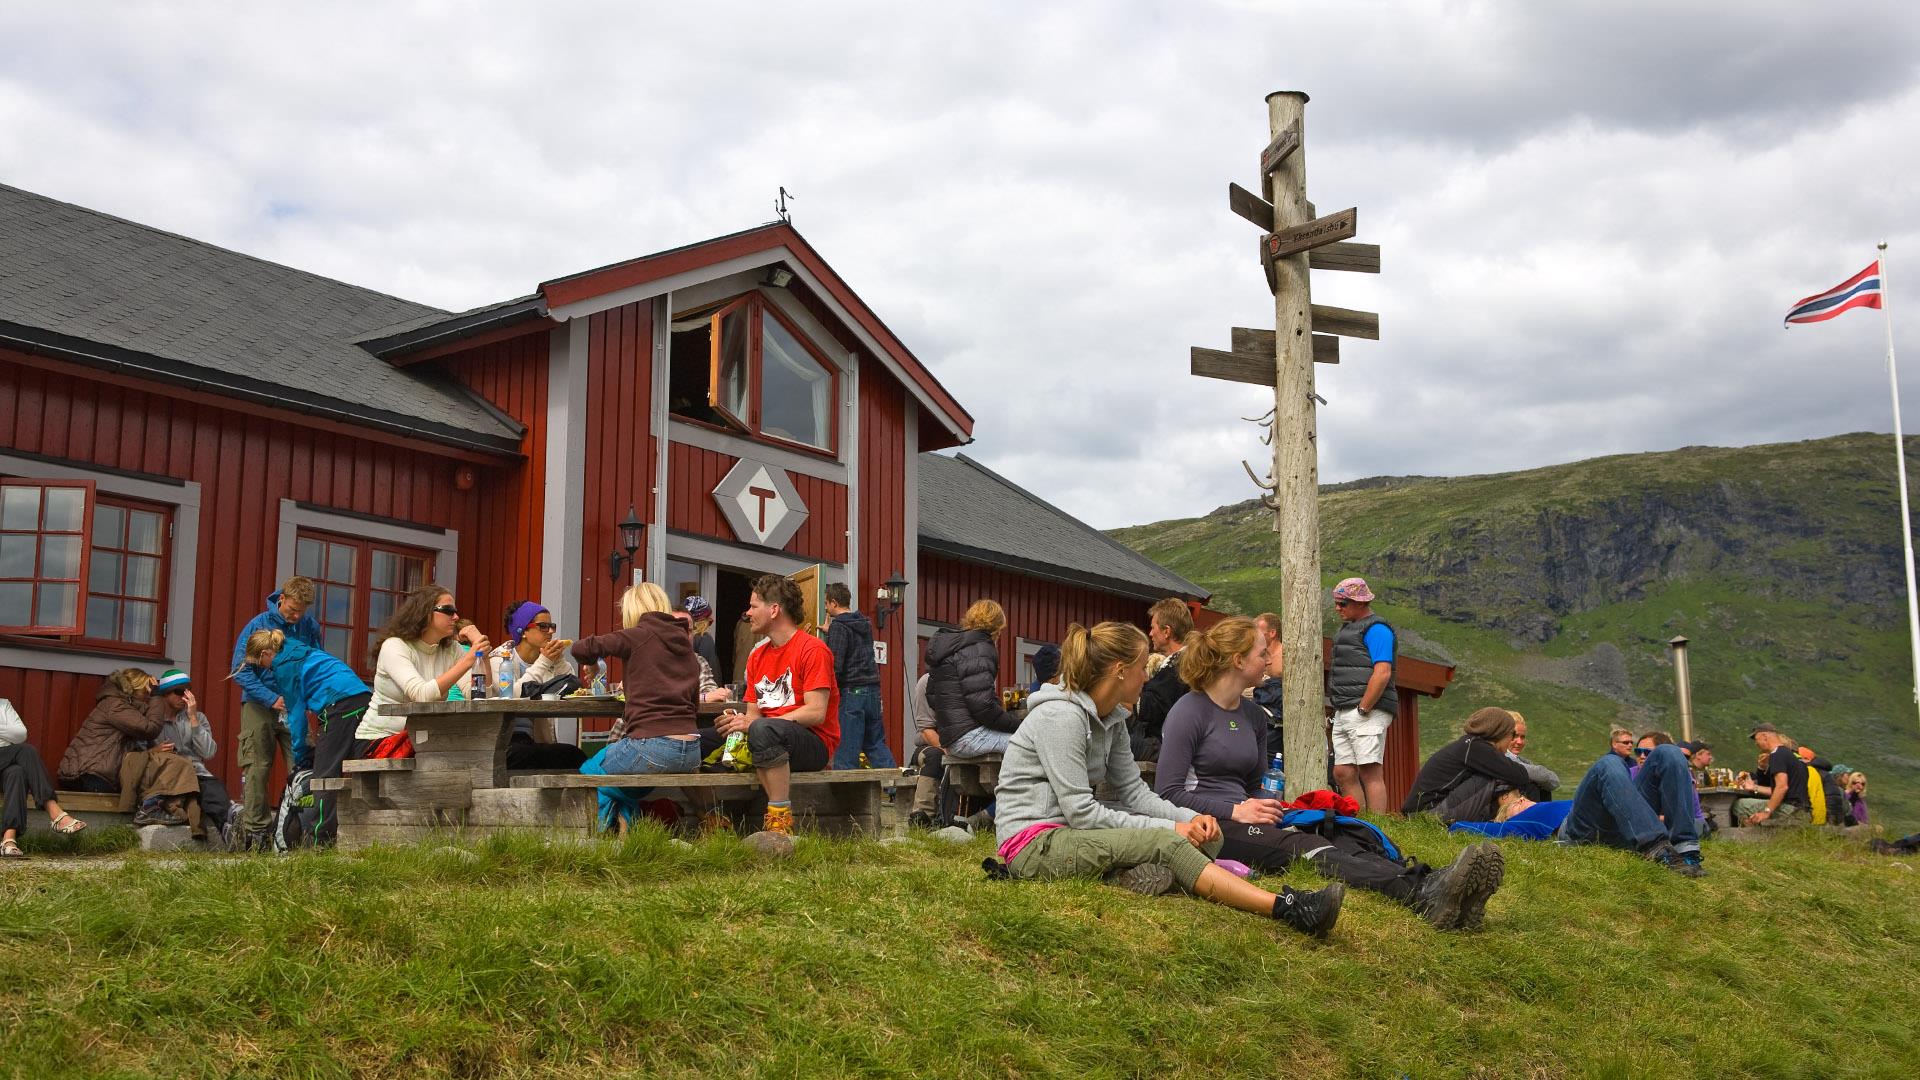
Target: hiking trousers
x,y
260,733
1344,858
1065,853
338,722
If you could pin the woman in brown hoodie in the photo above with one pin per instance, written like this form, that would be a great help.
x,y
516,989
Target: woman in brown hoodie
x,y
111,753
660,674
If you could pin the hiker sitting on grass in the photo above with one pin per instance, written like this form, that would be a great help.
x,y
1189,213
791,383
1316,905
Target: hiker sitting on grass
x,y
1544,780
1461,780
1781,780
1213,751
22,773
1073,740
1650,811
116,752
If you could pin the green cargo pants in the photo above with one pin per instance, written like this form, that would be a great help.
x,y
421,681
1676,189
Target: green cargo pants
x,y
260,733
1064,853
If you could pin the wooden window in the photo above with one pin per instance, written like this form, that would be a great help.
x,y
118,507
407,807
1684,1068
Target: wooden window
x,y
44,557
356,583
742,364
127,581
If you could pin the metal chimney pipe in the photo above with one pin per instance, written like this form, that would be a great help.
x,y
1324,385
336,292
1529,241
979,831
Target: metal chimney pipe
x,y
1683,687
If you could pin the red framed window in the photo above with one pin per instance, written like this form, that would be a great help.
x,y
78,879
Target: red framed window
x,y
357,583
44,525
128,576
743,364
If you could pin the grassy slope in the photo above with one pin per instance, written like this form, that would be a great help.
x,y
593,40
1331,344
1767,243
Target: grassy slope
x,y
854,958
1831,673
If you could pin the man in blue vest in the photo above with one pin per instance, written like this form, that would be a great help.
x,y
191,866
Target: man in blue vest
x,y
1360,685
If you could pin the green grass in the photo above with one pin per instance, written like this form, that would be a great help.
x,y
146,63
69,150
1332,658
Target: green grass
x,y
643,959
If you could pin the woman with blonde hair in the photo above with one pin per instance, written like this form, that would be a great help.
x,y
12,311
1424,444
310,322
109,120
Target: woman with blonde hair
x,y
660,674
416,657
114,752
963,684
1074,740
313,680
1464,778
1213,751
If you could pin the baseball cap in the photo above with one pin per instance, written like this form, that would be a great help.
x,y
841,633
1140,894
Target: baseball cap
x,y
1354,589
1758,728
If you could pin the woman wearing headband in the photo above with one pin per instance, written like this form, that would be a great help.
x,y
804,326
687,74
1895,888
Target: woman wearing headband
x,y
534,654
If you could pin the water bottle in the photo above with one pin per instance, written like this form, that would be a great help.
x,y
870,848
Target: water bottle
x,y
1273,784
479,688
600,678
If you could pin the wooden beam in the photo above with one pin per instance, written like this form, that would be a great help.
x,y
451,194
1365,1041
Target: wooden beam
x,y
1253,368
1346,322
1326,347
1357,258
1250,206
1277,151
1295,239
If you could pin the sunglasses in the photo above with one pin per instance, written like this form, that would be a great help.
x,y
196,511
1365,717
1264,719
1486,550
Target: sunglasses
x,y
448,610
547,626
1643,751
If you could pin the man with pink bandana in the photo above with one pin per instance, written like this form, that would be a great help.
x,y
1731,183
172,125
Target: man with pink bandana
x,y
1360,686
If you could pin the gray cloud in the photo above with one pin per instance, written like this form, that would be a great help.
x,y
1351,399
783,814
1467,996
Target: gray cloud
x,y
1593,214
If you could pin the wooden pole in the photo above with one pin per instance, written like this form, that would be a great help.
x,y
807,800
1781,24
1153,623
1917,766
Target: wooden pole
x,y
1296,467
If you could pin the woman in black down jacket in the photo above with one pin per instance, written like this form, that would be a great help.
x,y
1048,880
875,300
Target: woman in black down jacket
x,y
963,684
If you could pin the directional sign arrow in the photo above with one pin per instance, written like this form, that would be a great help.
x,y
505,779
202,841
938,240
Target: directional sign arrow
x,y
1276,152
1319,232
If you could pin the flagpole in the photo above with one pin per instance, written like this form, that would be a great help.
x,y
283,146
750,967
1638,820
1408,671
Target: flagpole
x,y
1900,459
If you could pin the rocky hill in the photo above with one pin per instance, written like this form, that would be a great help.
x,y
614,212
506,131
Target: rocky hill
x,y
1556,589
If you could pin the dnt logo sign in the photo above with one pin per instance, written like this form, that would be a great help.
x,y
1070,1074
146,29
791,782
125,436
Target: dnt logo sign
x,y
761,504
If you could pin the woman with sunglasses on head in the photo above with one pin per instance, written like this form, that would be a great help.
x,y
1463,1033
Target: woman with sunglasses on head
x,y
534,654
416,657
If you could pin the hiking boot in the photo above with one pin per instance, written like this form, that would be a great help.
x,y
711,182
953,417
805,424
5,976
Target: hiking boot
x,y
779,819
1664,854
714,821
1147,879
1456,898
1312,913
1692,859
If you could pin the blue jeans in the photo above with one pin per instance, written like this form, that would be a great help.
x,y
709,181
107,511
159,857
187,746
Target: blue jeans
x,y
657,755
980,742
861,729
1611,807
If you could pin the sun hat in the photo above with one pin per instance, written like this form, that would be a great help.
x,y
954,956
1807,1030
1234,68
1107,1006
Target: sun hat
x,y
1354,589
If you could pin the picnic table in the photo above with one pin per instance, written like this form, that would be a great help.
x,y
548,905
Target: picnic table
x,y
1716,804
458,779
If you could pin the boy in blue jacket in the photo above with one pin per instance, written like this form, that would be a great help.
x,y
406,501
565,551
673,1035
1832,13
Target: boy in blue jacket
x,y
262,705
312,679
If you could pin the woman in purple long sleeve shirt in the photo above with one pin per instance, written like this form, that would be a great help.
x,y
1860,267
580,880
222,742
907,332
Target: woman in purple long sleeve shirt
x,y
1213,750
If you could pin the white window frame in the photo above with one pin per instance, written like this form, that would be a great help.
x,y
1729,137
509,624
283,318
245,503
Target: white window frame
x,y
444,543
184,551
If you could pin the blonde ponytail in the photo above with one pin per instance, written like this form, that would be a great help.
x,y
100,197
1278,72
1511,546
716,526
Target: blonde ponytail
x,y
258,643
1086,656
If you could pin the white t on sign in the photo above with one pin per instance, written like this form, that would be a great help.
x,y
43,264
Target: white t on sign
x,y
760,503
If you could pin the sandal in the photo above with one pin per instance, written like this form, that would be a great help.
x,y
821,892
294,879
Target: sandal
x,y
66,824
11,850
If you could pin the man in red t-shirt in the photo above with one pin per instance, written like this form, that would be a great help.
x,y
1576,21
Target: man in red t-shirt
x,y
793,703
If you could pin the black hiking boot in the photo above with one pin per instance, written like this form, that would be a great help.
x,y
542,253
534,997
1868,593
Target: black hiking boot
x,y
1147,879
1456,898
1312,913
1664,854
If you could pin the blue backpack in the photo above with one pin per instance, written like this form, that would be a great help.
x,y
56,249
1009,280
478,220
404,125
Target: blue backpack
x,y
1327,823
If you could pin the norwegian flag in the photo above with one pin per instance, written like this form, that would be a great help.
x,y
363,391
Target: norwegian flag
x,y
1862,290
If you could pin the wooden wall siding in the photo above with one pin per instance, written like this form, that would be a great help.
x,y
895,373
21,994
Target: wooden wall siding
x,y
1036,610
620,451
245,465
693,473
883,516
512,375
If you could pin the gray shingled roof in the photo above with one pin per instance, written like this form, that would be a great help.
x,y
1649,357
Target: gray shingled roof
x,y
179,309
969,511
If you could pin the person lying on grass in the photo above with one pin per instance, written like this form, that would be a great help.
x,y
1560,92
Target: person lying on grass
x,y
1213,750
1519,816
1073,740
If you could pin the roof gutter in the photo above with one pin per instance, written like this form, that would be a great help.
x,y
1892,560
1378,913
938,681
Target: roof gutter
x,y
458,328
1047,572
175,373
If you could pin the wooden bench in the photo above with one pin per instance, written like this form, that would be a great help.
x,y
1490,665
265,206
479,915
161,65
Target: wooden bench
x,y
97,809
846,802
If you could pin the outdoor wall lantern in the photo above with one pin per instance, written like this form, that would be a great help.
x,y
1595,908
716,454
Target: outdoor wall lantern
x,y
629,539
890,597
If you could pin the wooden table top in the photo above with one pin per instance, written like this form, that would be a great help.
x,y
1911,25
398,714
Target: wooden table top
x,y
558,707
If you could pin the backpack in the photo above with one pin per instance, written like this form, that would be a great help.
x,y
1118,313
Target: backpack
x,y
1325,823
1829,803
298,819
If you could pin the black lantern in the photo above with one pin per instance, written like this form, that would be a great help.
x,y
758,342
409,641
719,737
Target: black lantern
x,y
629,539
889,597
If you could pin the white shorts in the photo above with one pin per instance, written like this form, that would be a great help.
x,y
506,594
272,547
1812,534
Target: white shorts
x,y
1360,738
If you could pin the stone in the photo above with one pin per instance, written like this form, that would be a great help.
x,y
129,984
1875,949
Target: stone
x,y
771,845
679,843
954,834
165,837
462,854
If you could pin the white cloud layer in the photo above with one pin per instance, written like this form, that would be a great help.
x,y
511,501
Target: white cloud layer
x,y
1593,214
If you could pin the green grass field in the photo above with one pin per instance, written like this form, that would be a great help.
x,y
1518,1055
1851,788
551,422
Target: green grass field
x,y
513,958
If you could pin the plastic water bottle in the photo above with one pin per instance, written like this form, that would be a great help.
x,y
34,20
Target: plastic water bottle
x,y
600,679
1273,784
479,688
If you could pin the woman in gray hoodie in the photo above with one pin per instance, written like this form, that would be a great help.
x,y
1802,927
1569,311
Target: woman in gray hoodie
x,y
1049,825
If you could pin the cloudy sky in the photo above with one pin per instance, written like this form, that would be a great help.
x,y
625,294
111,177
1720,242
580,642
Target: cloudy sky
x,y
1593,215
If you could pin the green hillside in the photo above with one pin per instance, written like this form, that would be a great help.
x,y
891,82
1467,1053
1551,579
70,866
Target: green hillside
x,y
1555,591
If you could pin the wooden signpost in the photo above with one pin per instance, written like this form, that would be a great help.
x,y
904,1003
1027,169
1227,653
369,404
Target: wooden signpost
x,y
1295,241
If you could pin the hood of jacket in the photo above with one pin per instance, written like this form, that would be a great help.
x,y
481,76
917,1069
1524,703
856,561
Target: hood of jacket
x,y
666,631
856,622
108,690
293,652
1054,692
947,642
275,620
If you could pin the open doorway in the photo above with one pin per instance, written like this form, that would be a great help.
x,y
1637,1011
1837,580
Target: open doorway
x,y
733,590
